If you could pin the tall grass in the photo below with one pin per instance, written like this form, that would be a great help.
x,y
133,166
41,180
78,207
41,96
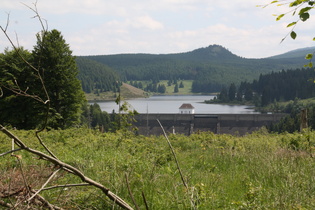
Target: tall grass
x,y
257,171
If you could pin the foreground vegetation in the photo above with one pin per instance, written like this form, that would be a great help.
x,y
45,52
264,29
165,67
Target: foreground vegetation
x,y
257,171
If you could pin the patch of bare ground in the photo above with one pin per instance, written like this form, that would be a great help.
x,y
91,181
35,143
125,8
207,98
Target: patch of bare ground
x,y
129,91
21,184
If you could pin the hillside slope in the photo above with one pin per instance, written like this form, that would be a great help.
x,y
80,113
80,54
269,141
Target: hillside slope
x,y
211,67
129,91
295,54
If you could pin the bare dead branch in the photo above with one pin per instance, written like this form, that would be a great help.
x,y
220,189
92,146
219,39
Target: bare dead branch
x,y
7,24
6,153
48,180
10,194
145,201
41,141
4,204
19,158
49,205
17,40
37,15
4,30
63,165
66,185
130,193
21,93
17,90
173,152
177,164
51,158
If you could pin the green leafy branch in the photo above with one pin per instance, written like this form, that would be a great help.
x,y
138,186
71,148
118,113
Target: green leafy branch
x,y
299,8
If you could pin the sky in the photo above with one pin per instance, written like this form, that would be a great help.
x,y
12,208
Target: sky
x,y
104,27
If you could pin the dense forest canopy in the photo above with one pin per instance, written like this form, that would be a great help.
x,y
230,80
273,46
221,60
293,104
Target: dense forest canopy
x,y
273,87
211,67
96,76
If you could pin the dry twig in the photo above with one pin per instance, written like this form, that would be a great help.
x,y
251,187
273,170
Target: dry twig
x,y
177,164
130,193
145,201
67,167
174,154
51,157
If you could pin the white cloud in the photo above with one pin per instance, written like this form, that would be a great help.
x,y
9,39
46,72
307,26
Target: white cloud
x,y
145,22
165,26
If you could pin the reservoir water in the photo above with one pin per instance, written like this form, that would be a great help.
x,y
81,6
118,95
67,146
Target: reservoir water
x,y
171,104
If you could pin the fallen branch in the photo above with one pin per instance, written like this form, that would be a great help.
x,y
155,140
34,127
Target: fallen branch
x,y
173,152
63,165
49,205
130,193
145,201
48,180
2,203
65,186
6,153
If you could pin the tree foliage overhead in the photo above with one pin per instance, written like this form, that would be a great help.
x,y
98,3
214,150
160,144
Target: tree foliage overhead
x,y
301,10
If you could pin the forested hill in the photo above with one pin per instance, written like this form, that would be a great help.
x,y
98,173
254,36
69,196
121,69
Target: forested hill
x,y
210,67
295,54
95,76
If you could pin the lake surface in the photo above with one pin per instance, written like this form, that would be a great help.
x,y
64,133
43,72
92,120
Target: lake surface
x,y
171,104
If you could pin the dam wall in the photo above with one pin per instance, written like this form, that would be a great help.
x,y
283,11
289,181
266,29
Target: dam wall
x,y
235,124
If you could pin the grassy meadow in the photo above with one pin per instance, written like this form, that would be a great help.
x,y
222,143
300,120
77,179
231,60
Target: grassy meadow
x,y
186,90
256,171
128,91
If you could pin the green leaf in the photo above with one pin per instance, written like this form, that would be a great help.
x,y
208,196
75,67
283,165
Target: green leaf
x,y
273,2
309,65
304,16
305,10
314,39
295,3
293,35
309,56
279,17
291,24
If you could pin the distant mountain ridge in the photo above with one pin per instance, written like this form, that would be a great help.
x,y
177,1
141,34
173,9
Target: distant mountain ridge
x,y
295,53
210,67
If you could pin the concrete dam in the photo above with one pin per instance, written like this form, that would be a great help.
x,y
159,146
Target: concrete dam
x,y
235,124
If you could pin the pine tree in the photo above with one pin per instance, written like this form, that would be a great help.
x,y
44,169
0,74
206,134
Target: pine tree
x,y
232,92
181,85
223,96
59,72
176,88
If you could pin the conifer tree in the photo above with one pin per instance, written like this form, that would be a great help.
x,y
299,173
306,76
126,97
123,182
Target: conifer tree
x,y
59,71
176,88
232,92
